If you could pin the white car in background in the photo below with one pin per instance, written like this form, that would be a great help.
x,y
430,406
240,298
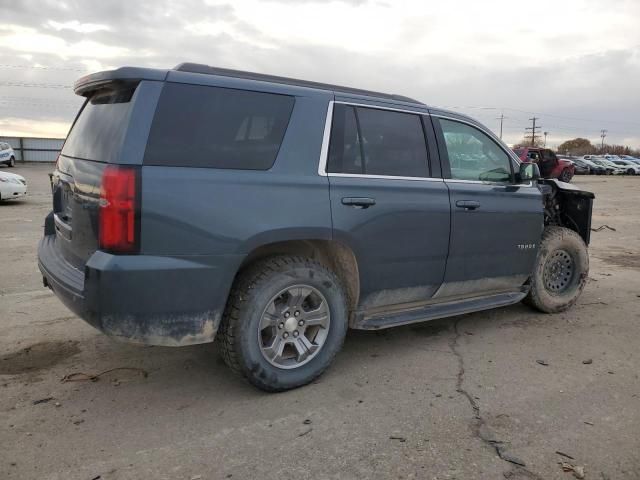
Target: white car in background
x,y
630,167
12,186
7,155
630,159
609,165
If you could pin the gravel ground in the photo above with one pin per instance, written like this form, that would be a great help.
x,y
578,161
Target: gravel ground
x,y
470,397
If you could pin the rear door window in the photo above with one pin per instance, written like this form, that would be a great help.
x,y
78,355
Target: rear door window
x,y
201,126
391,143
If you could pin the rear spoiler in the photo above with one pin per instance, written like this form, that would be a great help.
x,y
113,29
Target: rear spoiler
x,y
125,75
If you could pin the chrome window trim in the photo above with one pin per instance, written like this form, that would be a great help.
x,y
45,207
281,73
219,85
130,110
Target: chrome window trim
x,y
489,184
324,149
377,107
385,177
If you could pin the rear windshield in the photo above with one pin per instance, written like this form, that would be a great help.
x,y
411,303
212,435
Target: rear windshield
x,y
99,130
200,126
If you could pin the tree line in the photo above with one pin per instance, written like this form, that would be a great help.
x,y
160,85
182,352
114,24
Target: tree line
x,y
583,146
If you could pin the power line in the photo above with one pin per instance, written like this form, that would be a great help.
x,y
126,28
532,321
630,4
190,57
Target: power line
x,y
603,135
32,85
42,67
538,113
533,129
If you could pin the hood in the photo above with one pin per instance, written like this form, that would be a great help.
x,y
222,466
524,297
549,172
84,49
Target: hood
x,y
8,175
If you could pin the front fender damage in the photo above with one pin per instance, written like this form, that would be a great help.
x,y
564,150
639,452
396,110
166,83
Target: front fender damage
x,y
568,206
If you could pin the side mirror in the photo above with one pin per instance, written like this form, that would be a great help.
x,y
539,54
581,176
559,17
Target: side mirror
x,y
528,172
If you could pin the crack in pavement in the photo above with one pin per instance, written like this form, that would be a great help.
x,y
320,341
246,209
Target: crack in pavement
x,y
479,422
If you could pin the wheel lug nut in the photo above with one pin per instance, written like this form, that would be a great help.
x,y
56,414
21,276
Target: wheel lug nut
x,y
300,322
295,333
281,325
297,313
285,335
287,314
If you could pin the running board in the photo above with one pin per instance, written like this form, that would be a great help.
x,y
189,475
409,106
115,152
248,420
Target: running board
x,y
434,311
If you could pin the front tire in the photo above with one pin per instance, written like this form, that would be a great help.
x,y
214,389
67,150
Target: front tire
x,y
285,320
561,271
12,162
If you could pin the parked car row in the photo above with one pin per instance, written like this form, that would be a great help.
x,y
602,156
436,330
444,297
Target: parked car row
x,y
604,164
616,165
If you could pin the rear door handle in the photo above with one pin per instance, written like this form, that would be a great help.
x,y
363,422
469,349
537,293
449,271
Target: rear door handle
x,y
468,204
359,202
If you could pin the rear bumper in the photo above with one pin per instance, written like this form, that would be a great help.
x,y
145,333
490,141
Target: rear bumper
x,y
13,191
153,300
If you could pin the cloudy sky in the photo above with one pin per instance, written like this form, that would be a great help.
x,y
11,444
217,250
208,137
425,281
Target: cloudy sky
x,y
573,63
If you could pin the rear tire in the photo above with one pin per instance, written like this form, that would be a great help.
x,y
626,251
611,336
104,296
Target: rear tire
x,y
565,176
561,271
263,335
631,171
12,162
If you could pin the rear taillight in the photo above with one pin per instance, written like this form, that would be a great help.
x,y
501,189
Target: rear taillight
x,y
119,224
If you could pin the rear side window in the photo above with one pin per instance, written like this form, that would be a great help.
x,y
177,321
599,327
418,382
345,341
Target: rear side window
x,y
200,126
391,143
99,130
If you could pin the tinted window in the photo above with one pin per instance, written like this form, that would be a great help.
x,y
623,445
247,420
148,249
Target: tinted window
x,y
392,143
473,155
99,129
198,126
345,154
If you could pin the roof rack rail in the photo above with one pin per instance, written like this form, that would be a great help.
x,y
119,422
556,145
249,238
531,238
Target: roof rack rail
x,y
226,72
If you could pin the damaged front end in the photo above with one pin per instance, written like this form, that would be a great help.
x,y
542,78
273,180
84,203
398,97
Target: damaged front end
x,y
567,206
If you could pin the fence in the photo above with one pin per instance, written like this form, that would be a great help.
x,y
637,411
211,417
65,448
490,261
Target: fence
x,y
32,149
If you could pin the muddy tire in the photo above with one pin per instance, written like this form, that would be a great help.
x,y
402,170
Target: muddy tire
x,y
561,271
285,320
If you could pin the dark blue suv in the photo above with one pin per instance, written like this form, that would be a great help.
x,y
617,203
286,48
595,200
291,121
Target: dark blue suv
x,y
273,214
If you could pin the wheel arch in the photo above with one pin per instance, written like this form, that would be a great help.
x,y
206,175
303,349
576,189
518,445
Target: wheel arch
x,y
335,255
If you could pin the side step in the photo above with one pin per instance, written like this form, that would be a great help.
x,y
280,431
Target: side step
x,y
434,311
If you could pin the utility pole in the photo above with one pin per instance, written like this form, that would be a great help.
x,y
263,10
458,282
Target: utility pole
x,y
501,118
603,134
545,138
534,131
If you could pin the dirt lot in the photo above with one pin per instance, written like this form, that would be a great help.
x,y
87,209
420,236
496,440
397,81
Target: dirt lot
x,y
466,398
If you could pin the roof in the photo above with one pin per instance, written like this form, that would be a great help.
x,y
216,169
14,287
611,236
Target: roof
x,y
225,72
90,82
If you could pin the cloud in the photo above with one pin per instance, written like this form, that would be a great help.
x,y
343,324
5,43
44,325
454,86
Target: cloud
x,y
580,67
76,26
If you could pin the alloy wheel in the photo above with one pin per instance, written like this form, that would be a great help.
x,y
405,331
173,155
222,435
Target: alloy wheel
x,y
294,326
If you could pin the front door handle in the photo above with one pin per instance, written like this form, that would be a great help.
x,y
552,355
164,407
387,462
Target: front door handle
x,y
359,202
468,204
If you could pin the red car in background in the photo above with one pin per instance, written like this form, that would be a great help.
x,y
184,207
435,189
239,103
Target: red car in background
x,y
550,166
